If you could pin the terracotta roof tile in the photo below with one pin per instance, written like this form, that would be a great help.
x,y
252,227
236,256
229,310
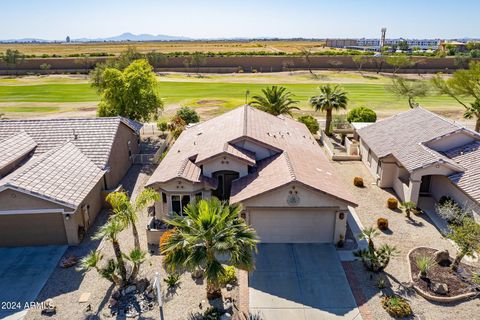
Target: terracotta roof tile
x,y
15,148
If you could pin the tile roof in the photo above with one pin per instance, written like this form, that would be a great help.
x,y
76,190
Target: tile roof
x,y
94,137
63,174
468,156
403,136
301,157
15,148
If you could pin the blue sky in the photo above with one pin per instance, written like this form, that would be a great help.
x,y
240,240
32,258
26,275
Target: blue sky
x,y
54,19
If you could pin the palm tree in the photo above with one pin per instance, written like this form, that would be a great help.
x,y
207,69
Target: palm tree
x,y
368,234
329,99
210,235
409,206
110,231
275,100
136,257
128,213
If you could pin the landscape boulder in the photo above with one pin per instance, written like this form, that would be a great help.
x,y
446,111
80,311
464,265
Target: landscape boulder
x,y
442,256
439,288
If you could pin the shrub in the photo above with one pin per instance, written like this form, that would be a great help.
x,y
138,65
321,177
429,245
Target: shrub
x,y
444,199
229,277
172,280
187,114
310,122
392,203
396,306
165,237
358,182
212,313
361,114
162,125
424,264
382,224
451,212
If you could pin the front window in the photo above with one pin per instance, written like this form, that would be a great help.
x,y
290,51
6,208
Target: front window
x,y
179,202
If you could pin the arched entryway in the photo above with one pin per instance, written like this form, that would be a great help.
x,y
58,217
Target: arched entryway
x,y
225,179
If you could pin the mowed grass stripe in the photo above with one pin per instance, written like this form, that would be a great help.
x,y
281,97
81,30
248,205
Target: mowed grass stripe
x,y
233,94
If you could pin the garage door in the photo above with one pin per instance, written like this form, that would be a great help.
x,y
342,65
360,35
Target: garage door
x,y
293,226
32,229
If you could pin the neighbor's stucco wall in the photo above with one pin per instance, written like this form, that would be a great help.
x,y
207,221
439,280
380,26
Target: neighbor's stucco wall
x,y
119,160
225,163
372,166
14,200
443,186
449,142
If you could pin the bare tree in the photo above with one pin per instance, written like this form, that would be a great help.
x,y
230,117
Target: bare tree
x,y
307,53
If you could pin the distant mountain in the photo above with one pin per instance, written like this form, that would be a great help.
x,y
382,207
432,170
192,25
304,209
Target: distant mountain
x,y
127,36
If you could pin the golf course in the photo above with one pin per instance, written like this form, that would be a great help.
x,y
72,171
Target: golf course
x,y
72,95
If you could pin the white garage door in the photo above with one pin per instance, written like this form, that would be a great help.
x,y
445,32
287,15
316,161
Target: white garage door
x,y
293,226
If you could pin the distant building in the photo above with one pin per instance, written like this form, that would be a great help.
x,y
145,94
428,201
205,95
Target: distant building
x,y
459,46
423,44
341,43
67,39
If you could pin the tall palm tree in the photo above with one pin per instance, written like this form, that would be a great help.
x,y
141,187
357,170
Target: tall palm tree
x,y
110,231
127,212
275,100
210,235
329,99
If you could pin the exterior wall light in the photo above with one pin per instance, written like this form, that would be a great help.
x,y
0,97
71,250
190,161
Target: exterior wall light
x,y
341,215
67,216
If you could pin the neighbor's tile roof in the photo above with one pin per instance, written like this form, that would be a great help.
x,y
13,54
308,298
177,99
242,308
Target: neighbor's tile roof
x,y
468,156
403,136
64,174
15,147
94,137
301,157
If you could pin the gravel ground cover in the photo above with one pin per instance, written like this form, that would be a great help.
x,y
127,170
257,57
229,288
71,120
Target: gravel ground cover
x,y
67,286
405,234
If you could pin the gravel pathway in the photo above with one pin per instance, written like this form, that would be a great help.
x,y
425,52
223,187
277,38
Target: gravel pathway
x,y
65,286
404,234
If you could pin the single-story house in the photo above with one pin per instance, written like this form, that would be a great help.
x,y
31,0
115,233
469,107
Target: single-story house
x,y
419,153
54,174
271,165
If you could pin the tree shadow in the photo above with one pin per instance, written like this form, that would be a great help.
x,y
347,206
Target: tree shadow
x,y
370,77
387,232
415,223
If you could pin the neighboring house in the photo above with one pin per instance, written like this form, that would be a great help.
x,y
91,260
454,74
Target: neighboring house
x,y
418,153
53,174
271,165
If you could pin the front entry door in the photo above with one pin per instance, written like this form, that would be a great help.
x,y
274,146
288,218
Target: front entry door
x,y
225,179
425,185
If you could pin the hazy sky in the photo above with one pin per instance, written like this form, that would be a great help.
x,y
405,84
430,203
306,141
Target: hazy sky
x,y
55,19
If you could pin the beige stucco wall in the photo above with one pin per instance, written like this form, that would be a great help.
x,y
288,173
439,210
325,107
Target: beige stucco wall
x,y
372,166
225,163
119,160
449,142
261,152
442,186
14,200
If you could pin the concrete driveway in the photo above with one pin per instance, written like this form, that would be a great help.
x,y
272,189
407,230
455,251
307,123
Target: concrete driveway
x,y
300,282
23,273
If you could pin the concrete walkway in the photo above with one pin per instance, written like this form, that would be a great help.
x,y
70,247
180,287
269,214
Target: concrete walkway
x,y
300,282
23,273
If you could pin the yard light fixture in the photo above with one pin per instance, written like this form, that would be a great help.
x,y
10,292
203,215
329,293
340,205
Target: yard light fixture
x,y
67,216
341,216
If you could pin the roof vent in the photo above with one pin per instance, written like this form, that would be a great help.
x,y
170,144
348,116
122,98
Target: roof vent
x,y
75,135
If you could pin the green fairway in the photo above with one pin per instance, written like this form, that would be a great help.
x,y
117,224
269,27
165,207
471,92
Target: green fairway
x,y
212,94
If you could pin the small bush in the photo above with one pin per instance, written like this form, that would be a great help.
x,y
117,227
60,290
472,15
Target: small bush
x,y
424,264
189,115
361,114
165,237
212,313
162,125
310,122
172,280
229,277
382,224
358,182
396,306
444,199
392,203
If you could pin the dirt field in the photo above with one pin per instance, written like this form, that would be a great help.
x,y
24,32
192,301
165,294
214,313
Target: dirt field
x,y
165,47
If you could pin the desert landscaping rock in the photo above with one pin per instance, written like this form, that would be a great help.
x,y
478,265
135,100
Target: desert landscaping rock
x,y
442,256
439,288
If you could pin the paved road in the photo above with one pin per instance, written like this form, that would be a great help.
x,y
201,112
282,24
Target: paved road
x,y
23,273
300,282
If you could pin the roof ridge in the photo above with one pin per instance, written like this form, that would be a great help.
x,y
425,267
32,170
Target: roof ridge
x,y
452,122
289,165
182,167
245,119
